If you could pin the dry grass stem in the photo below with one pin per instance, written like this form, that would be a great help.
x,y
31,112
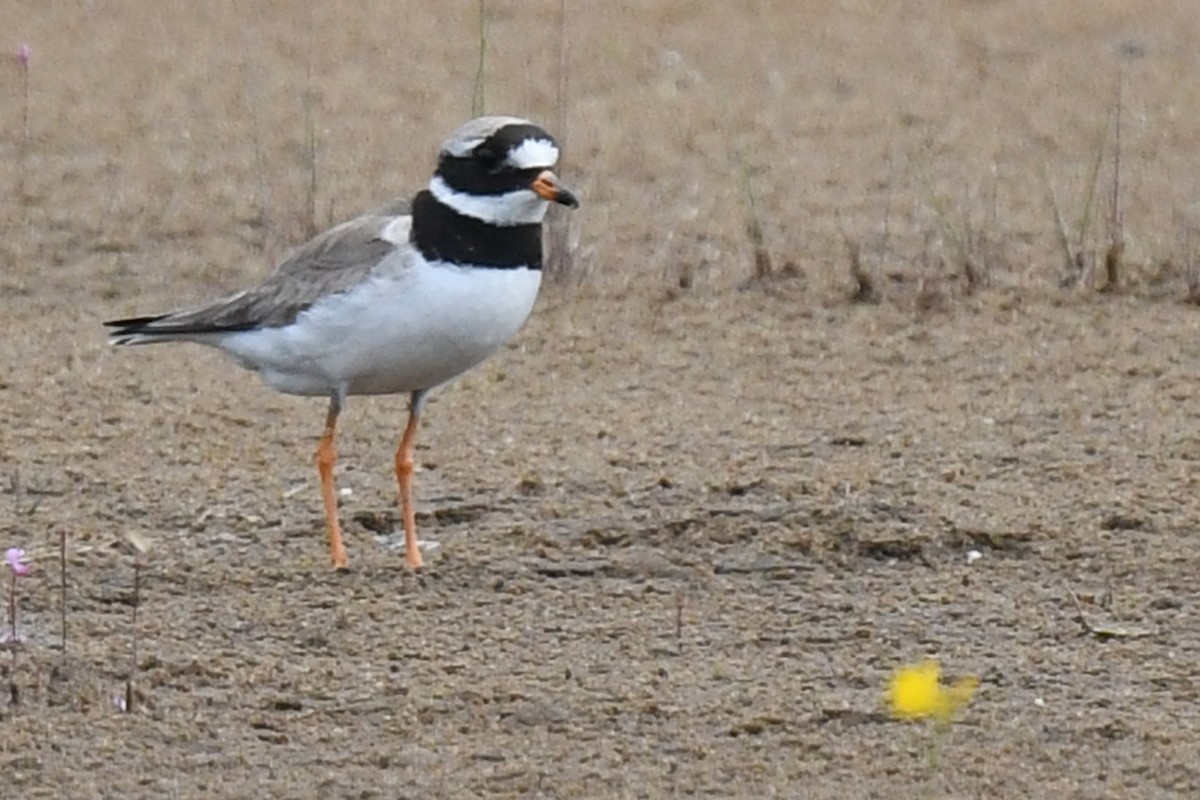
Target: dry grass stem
x,y
478,104
133,627
1116,223
762,268
864,286
560,256
62,588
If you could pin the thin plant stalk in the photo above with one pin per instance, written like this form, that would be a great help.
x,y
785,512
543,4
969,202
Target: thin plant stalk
x,y
310,129
477,98
137,601
959,242
864,287
24,62
679,622
559,264
1087,214
1060,224
1089,200
754,225
14,694
1116,222
254,89
564,75
310,158
1116,218
62,588
23,56
12,610
1193,273
18,567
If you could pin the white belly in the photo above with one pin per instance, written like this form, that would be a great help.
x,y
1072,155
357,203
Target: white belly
x,y
394,333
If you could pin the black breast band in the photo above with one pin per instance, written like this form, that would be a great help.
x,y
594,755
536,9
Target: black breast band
x,y
443,234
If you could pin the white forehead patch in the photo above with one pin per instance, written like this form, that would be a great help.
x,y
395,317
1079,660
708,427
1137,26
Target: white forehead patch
x,y
533,153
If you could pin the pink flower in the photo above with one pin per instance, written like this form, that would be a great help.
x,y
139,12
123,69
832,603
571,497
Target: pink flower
x,y
15,557
22,55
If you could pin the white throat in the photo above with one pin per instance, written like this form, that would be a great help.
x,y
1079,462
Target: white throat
x,y
522,207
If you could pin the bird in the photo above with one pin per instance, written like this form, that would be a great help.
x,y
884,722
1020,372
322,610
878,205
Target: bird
x,y
399,300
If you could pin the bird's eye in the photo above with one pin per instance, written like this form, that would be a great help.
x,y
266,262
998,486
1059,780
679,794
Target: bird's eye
x,y
489,159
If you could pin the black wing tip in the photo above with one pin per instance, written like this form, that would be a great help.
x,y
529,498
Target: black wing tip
x,y
130,330
133,324
159,326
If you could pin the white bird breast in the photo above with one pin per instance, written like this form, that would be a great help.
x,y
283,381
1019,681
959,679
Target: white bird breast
x,y
403,329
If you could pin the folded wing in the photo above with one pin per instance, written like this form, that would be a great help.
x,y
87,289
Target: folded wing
x,y
329,263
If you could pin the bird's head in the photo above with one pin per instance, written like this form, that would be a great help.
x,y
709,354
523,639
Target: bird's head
x,y
500,170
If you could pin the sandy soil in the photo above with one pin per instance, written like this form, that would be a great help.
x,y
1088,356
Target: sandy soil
x,y
685,527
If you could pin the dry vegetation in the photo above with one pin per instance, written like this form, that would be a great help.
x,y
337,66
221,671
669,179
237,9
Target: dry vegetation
x,y
857,288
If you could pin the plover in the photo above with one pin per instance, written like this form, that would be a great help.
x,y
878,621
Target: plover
x,y
399,300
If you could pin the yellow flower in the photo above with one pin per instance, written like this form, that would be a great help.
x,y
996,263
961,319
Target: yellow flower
x,y
916,692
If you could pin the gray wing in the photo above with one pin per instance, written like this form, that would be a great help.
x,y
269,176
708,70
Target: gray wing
x,y
329,263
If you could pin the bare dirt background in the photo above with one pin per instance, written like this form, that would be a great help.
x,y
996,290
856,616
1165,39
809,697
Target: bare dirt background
x,y
798,477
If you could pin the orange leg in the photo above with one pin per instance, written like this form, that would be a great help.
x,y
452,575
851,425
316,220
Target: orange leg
x,y
326,458
404,476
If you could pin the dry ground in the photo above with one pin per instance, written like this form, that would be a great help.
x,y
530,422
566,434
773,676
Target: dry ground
x,y
794,478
